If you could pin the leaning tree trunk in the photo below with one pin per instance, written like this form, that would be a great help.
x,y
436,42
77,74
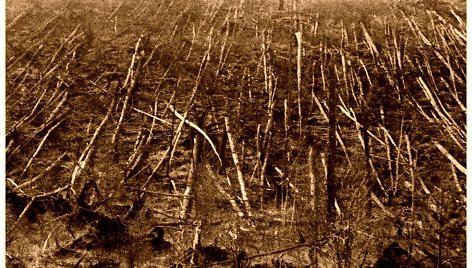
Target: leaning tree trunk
x,y
239,172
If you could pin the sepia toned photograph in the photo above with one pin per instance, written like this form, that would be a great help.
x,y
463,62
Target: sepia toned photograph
x,y
235,133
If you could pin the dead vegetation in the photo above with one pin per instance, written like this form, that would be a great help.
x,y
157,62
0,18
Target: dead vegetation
x,y
231,133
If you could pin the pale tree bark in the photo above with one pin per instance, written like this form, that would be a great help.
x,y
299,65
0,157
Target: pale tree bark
x,y
224,192
134,72
195,243
192,178
189,190
311,171
299,79
331,175
239,172
313,196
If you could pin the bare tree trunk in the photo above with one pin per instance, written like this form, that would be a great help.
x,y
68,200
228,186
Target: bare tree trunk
x,y
265,146
234,153
220,188
195,244
299,78
412,165
390,158
313,196
331,176
286,128
134,72
189,190
191,180
222,150
366,141
311,167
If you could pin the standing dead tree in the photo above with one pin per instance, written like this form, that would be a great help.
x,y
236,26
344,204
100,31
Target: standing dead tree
x,y
331,175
